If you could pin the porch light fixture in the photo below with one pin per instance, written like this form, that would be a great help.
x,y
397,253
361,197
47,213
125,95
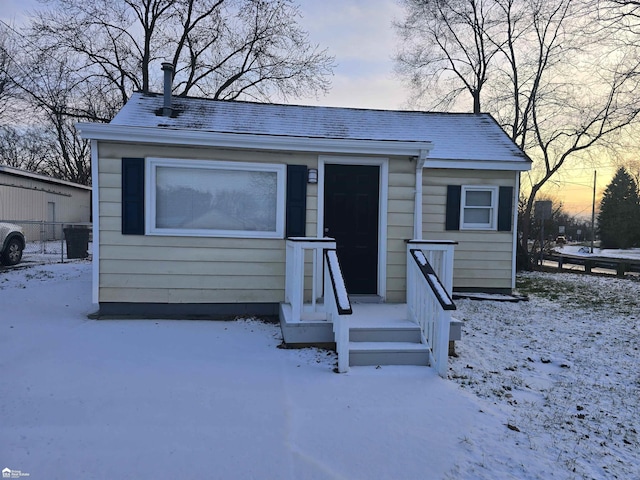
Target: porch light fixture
x,y
312,175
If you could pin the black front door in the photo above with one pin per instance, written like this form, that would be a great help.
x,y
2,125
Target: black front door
x,y
351,205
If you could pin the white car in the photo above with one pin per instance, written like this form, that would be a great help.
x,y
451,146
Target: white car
x,y
12,243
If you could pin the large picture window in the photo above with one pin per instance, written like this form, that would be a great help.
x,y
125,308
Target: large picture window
x,y
214,198
479,208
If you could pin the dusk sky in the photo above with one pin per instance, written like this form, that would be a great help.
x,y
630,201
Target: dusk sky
x,y
357,32
360,35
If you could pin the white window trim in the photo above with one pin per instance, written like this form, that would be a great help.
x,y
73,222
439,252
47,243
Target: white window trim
x,y
150,188
493,223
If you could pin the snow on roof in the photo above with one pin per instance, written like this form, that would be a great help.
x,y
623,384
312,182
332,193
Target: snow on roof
x,y
455,136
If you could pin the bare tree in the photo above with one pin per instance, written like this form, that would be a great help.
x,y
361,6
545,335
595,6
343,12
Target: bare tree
x,y
7,87
54,97
221,49
623,14
447,44
27,149
556,80
80,60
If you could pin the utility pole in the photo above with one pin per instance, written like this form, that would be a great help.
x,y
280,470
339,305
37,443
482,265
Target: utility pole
x,y
593,211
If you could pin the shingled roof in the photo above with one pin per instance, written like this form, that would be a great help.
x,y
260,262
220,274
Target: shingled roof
x,y
454,136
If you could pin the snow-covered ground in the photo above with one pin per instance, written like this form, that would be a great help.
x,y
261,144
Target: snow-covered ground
x,y
547,388
630,253
564,368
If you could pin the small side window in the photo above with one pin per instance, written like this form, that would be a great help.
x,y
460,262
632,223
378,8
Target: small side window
x,y
479,208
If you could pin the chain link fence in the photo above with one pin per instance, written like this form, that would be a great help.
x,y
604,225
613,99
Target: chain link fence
x,y
54,242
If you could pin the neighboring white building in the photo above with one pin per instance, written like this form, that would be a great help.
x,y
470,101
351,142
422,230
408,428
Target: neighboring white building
x,y
27,197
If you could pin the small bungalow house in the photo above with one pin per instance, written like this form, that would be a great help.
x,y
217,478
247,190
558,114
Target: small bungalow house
x,y
215,208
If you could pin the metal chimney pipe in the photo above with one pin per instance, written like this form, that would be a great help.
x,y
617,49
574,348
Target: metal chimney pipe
x,y
167,68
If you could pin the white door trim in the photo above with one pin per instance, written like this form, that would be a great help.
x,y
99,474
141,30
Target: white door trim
x,y
383,196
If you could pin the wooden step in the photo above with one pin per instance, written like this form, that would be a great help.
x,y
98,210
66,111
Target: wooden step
x,y
408,332
387,353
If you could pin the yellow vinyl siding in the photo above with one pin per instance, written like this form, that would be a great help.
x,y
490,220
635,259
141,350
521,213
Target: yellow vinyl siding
x,y
186,295
483,259
402,185
312,207
160,279
191,255
487,254
176,269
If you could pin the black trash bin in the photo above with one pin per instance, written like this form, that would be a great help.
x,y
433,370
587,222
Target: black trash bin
x,y
77,241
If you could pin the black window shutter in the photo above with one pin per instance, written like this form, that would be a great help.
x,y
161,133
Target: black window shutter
x,y
133,196
452,220
505,213
296,215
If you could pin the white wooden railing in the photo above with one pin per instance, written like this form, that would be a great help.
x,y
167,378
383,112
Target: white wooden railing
x,y
325,281
295,273
337,306
439,254
429,302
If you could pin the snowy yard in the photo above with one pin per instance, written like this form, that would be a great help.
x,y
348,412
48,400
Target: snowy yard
x,y
542,389
564,368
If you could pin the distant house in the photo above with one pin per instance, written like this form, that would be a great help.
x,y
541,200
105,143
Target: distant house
x,y
34,200
194,199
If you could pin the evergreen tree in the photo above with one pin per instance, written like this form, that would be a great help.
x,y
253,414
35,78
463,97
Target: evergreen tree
x,y
619,217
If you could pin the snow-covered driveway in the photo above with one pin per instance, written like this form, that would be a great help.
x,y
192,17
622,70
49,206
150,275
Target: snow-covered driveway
x,y
542,389
85,399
